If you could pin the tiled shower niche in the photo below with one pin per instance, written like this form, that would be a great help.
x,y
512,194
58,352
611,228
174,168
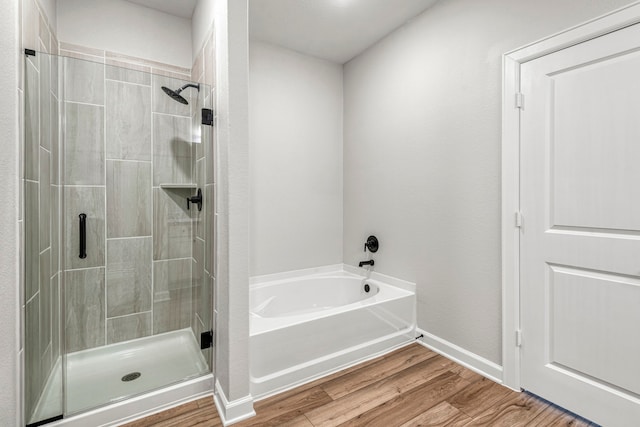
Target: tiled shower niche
x,y
125,154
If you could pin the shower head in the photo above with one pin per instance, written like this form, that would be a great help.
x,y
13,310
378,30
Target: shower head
x,y
175,94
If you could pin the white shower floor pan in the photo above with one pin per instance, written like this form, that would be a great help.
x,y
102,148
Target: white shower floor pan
x,y
94,377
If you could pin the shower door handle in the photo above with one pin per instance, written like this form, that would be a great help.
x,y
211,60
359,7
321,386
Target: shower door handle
x,y
83,235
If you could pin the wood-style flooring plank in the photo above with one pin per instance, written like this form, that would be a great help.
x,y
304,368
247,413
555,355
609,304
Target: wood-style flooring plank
x,y
207,416
300,421
417,388
275,412
479,396
554,416
360,378
152,420
365,399
412,403
440,415
514,410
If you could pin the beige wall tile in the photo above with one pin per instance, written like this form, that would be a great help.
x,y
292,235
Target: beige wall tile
x,y
127,328
128,276
128,121
84,146
128,198
85,309
171,224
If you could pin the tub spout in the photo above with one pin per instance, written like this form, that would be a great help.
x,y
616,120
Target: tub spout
x,y
361,263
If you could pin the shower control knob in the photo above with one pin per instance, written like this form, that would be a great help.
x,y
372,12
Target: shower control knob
x,y
371,244
195,199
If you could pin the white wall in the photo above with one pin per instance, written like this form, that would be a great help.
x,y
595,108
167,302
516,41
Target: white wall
x,y
422,155
295,160
49,8
232,207
203,17
9,203
128,28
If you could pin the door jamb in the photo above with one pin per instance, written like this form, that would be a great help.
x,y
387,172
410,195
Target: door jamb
x,y
511,61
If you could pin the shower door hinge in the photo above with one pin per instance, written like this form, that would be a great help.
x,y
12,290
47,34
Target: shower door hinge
x,y
519,100
207,116
518,219
518,338
206,340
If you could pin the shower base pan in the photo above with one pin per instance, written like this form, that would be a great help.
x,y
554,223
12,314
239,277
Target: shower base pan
x,y
113,373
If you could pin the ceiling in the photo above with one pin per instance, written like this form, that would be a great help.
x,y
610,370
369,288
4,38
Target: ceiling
x,y
337,30
181,8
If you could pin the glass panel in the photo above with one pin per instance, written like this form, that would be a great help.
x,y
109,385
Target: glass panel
x,y
111,244
43,374
133,270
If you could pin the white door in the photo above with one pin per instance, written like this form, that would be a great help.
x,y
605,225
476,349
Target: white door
x,y
580,242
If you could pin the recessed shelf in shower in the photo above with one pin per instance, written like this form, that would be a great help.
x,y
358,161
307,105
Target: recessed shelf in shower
x,y
178,186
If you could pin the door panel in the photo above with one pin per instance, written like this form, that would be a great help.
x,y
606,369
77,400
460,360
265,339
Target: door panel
x,y
580,243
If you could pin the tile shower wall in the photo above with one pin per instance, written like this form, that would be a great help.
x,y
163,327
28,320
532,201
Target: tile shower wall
x,y
40,193
204,242
125,139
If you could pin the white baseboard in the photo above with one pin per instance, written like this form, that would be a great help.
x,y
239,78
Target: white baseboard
x,y
234,411
459,355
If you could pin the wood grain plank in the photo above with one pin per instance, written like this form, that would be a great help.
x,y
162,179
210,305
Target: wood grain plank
x,y
412,403
554,416
198,417
467,373
479,396
365,399
205,402
279,411
442,414
151,420
369,364
405,395
300,421
360,378
516,409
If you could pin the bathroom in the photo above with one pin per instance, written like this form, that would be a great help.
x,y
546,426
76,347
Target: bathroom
x,y
392,145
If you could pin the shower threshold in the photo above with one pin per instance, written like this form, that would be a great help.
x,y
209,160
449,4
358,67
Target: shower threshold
x,y
111,373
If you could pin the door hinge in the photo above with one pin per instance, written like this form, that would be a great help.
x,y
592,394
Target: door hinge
x,y
518,338
518,219
207,116
206,339
519,100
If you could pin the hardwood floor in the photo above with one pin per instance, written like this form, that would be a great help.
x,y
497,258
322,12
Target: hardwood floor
x,y
412,386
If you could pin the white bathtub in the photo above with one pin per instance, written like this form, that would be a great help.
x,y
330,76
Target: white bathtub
x,y
306,325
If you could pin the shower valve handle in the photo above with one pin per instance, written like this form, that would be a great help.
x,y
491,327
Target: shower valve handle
x,y
195,199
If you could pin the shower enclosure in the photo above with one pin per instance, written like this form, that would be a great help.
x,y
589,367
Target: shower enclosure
x,y
118,234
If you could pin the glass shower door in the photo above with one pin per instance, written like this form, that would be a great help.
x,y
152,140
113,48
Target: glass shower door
x,y
132,264
43,396
113,170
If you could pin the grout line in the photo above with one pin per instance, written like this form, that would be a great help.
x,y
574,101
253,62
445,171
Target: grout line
x,y
127,160
126,82
84,103
172,115
106,210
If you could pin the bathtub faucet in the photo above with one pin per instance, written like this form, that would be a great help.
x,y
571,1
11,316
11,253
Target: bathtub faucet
x,y
370,262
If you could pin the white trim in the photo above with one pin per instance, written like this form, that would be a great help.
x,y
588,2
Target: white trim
x,y
234,411
142,406
512,60
470,360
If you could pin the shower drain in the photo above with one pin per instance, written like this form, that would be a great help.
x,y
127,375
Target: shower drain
x,y
132,376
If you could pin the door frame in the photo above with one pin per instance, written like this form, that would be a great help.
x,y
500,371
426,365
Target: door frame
x,y
511,61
